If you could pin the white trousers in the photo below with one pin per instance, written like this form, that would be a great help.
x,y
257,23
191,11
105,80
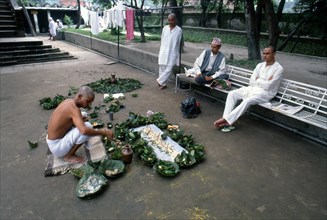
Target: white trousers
x,y
249,98
61,147
164,73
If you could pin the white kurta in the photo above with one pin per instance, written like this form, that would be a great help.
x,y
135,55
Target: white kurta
x,y
53,28
170,46
169,52
260,90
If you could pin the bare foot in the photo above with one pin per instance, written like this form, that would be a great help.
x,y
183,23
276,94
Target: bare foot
x,y
220,123
74,159
162,87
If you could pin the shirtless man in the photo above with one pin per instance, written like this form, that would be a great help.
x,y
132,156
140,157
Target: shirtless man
x,y
67,130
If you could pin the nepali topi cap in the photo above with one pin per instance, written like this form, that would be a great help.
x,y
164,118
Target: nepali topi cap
x,y
216,41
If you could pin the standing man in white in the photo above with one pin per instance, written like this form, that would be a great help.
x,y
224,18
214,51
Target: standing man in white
x,y
169,50
52,29
264,84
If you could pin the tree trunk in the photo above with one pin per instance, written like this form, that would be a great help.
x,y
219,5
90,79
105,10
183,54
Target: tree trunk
x,y
220,8
139,20
177,11
258,15
78,14
272,24
203,18
251,31
29,22
289,37
280,10
179,16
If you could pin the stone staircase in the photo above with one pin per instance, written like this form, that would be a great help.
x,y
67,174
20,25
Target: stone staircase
x,y
15,51
22,50
8,23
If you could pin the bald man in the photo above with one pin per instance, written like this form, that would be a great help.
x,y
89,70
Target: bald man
x,y
67,130
171,37
264,83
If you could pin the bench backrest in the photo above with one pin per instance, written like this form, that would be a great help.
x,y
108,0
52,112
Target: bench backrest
x,y
239,77
313,99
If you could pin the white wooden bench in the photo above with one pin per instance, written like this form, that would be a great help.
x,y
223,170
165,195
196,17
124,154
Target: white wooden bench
x,y
303,102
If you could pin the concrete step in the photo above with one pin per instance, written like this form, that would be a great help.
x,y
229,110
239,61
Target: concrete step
x,y
12,43
8,33
17,53
7,22
26,47
6,12
37,60
7,17
28,50
8,27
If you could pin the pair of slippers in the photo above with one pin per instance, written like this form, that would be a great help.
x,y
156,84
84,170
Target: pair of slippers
x,y
227,129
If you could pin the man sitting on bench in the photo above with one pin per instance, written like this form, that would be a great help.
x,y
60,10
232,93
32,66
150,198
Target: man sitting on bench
x,y
264,83
209,65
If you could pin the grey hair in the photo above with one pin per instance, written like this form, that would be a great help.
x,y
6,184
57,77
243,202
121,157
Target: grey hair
x,y
172,15
86,91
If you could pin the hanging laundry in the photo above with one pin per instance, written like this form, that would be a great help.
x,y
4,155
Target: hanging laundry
x,y
129,24
94,22
85,15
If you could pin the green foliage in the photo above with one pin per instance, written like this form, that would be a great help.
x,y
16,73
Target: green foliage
x,y
24,2
244,63
68,21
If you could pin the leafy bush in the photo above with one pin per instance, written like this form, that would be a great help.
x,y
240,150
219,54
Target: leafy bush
x,y
68,21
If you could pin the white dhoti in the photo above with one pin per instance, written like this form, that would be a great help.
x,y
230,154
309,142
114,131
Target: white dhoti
x,y
249,95
61,147
164,73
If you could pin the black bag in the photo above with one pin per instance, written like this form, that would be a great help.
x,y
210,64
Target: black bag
x,y
190,107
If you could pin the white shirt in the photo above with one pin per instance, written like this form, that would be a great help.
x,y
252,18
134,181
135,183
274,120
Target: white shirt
x,y
261,75
170,46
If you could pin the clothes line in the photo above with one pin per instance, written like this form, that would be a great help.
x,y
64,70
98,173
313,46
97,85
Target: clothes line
x,y
118,16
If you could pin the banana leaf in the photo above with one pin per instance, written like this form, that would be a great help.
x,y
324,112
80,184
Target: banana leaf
x,y
80,172
111,168
90,185
166,168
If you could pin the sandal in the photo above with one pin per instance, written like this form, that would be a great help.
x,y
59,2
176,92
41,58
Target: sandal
x,y
227,129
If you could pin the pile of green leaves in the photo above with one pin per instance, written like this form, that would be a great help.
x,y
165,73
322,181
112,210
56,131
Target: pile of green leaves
x,y
119,86
115,106
50,103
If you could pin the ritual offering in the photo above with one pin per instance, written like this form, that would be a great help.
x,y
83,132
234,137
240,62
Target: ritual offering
x,y
163,146
81,171
97,123
166,168
90,184
111,168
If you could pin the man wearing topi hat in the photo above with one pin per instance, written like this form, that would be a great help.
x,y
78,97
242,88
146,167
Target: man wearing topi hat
x,y
209,65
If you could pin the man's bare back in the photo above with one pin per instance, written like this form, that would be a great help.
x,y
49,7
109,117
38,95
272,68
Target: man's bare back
x,y
61,120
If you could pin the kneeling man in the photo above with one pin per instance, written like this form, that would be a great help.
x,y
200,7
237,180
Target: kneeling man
x,y
67,130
